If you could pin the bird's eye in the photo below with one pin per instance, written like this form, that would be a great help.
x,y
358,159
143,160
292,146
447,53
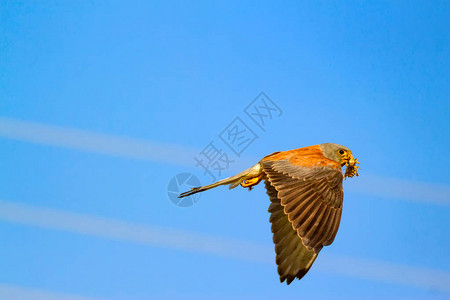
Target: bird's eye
x,y
341,152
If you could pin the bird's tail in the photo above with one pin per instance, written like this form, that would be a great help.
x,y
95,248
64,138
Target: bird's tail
x,y
233,181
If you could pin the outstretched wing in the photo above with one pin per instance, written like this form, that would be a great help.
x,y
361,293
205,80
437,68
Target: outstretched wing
x,y
293,258
311,198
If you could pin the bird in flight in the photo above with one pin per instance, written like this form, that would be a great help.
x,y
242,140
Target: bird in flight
x,y
305,190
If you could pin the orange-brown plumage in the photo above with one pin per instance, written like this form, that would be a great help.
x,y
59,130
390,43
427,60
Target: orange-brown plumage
x,y
311,156
305,189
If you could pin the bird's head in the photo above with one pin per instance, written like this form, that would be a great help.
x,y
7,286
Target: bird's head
x,y
343,156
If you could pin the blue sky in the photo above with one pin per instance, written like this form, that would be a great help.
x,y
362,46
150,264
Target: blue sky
x,y
102,103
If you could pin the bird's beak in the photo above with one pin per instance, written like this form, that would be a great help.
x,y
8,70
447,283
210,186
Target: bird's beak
x,y
350,164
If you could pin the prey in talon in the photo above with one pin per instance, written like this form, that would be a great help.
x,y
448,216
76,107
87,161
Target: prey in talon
x,y
306,195
351,169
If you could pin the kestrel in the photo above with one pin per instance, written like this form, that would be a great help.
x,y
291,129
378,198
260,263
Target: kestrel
x,y
305,190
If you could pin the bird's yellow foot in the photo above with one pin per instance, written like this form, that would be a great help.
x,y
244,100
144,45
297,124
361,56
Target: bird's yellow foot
x,y
249,183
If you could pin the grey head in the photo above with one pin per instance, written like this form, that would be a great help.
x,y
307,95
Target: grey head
x,y
338,153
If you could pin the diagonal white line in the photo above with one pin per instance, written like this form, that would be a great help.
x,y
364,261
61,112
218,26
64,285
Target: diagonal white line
x,y
129,232
95,142
437,194
201,243
386,272
14,292
431,193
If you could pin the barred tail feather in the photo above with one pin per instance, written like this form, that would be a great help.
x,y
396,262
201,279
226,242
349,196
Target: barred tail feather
x,y
232,181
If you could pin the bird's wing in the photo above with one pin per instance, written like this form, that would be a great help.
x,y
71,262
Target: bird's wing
x,y
293,258
311,198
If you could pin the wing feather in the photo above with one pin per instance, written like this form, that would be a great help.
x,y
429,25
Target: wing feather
x,y
318,235
292,257
311,198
